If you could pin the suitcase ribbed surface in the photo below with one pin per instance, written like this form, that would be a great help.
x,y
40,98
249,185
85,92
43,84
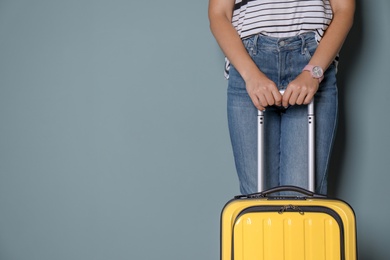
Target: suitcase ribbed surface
x,y
288,236
310,229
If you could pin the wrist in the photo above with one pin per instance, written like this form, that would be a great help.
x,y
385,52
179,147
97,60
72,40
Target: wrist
x,y
252,73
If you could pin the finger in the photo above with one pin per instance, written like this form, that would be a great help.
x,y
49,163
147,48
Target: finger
x,y
265,96
259,106
257,103
295,92
286,97
263,101
269,97
277,97
301,98
308,99
293,98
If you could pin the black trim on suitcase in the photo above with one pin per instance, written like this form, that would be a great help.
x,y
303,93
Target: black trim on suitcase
x,y
301,210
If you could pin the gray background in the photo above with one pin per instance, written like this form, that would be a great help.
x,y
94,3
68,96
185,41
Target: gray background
x,y
113,133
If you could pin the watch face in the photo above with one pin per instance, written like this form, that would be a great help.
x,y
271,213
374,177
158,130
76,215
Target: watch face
x,y
317,72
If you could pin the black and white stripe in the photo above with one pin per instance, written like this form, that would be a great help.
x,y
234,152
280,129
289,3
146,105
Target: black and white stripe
x,y
281,18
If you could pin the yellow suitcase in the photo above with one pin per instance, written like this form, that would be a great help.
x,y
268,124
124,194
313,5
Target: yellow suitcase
x,y
262,226
310,227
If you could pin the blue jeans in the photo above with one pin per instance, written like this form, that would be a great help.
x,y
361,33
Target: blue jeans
x,y
282,60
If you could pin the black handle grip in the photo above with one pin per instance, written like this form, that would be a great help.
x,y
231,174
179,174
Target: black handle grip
x,y
280,189
288,188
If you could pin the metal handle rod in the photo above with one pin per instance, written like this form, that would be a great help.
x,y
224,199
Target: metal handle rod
x,y
260,151
311,148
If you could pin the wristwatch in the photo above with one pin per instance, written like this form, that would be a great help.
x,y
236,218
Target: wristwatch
x,y
316,72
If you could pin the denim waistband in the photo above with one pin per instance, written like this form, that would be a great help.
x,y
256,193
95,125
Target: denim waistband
x,y
270,43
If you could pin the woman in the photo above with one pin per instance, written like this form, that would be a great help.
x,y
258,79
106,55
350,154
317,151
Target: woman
x,y
281,45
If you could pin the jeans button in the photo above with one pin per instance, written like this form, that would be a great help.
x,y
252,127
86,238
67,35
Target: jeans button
x,y
282,43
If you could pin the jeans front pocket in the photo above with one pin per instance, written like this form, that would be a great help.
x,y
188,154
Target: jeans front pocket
x,y
251,45
310,49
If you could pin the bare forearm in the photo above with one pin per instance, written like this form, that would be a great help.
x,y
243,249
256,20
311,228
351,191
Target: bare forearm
x,y
334,37
232,46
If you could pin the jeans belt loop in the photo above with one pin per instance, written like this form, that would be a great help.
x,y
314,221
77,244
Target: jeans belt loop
x,y
255,43
303,47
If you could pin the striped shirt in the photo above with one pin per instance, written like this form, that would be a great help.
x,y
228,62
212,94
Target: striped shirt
x,y
278,18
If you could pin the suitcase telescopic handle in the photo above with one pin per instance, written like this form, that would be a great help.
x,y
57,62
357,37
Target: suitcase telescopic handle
x,y
311,147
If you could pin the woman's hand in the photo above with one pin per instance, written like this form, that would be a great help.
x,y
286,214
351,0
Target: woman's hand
x,y
301,90
263,92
